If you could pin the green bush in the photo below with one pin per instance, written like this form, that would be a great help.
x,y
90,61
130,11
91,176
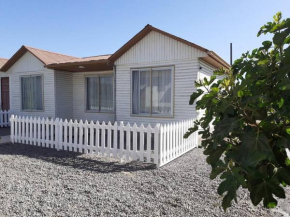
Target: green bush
x,y
249,109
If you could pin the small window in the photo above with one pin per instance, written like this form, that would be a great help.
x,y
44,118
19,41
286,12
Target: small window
x,y
100,94
32,93
152,91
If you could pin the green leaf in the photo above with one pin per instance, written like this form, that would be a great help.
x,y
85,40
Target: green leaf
x,y
233,180
288,130
284,85
195,95
264,189
279,37
283,175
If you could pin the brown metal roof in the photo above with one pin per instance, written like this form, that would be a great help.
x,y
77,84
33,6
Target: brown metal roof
x,y
212,59
94,63
2,62
46,57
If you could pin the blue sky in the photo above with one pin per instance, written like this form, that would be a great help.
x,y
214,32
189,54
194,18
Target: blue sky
x,y
91,27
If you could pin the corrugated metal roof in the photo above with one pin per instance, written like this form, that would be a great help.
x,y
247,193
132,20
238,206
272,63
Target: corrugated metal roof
x,y
2,62
83,60
48,57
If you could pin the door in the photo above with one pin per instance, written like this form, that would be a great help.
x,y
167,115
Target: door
x,y
5,102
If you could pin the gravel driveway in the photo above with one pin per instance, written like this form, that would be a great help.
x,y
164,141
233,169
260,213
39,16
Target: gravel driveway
x,y
44,182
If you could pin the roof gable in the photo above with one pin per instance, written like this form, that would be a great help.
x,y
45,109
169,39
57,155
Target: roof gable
x,y
213,59
46,57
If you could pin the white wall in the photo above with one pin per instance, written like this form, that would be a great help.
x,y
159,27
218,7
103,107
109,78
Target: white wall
x,y
153,50
79,109
28,64
64,94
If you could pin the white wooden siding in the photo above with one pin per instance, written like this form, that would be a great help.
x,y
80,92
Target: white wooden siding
x,y
185,75
28,64
156,47
79,109
64,94
153,50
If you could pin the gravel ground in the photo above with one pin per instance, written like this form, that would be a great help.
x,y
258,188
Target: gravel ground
x,y
38,181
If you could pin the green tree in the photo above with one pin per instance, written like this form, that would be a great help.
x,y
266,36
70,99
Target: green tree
x,y
249,109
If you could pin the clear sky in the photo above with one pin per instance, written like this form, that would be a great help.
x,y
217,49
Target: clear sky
x,y
91,27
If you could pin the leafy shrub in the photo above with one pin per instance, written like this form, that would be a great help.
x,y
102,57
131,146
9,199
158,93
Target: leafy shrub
x,y
249,109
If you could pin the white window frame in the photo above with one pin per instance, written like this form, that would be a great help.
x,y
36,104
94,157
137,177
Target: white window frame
x,y
151,68
86,97
42,83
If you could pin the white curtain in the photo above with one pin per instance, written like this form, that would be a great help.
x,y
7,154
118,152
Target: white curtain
x,y
161,91
106,94
32,93
145,92
92,93
135,92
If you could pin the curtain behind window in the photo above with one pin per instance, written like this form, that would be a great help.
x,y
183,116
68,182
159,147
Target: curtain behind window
x,y
32,93
161,91
106,93
135,92
92,93
145,92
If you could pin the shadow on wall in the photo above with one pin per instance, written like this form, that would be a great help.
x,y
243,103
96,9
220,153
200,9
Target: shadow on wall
x,y
72,159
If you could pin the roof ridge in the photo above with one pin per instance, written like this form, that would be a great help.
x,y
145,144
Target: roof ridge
x,y
97,56
28,47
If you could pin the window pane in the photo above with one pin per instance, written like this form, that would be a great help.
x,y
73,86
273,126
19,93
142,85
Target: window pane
x,y
26,96
92,93
36,86
106,95
145,92
161,92
135,92
32,93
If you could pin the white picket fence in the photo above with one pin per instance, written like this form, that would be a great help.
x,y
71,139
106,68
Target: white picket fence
x,y
158,145
4,118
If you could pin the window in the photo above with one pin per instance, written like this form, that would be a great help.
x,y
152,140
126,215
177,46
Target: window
x,y
32,93
152,91
99,94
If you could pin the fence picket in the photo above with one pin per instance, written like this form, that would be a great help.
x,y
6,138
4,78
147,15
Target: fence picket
x,y
115,144
128,141
70,135
42,132
103,139
91,144
122,145
74,130
109,138
134,154
12,121
148,151
97,133
86,136
142,129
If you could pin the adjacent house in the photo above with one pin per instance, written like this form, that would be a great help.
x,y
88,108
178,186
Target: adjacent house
x,y
148,80
4,86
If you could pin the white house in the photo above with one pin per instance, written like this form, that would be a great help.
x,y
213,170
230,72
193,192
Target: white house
x,y
148,80
4,87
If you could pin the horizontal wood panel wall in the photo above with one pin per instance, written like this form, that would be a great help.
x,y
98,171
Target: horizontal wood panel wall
x,y
30,65
79,109
154,50
64,94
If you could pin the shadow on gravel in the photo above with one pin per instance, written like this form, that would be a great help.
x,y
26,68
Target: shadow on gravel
x,y
72,159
